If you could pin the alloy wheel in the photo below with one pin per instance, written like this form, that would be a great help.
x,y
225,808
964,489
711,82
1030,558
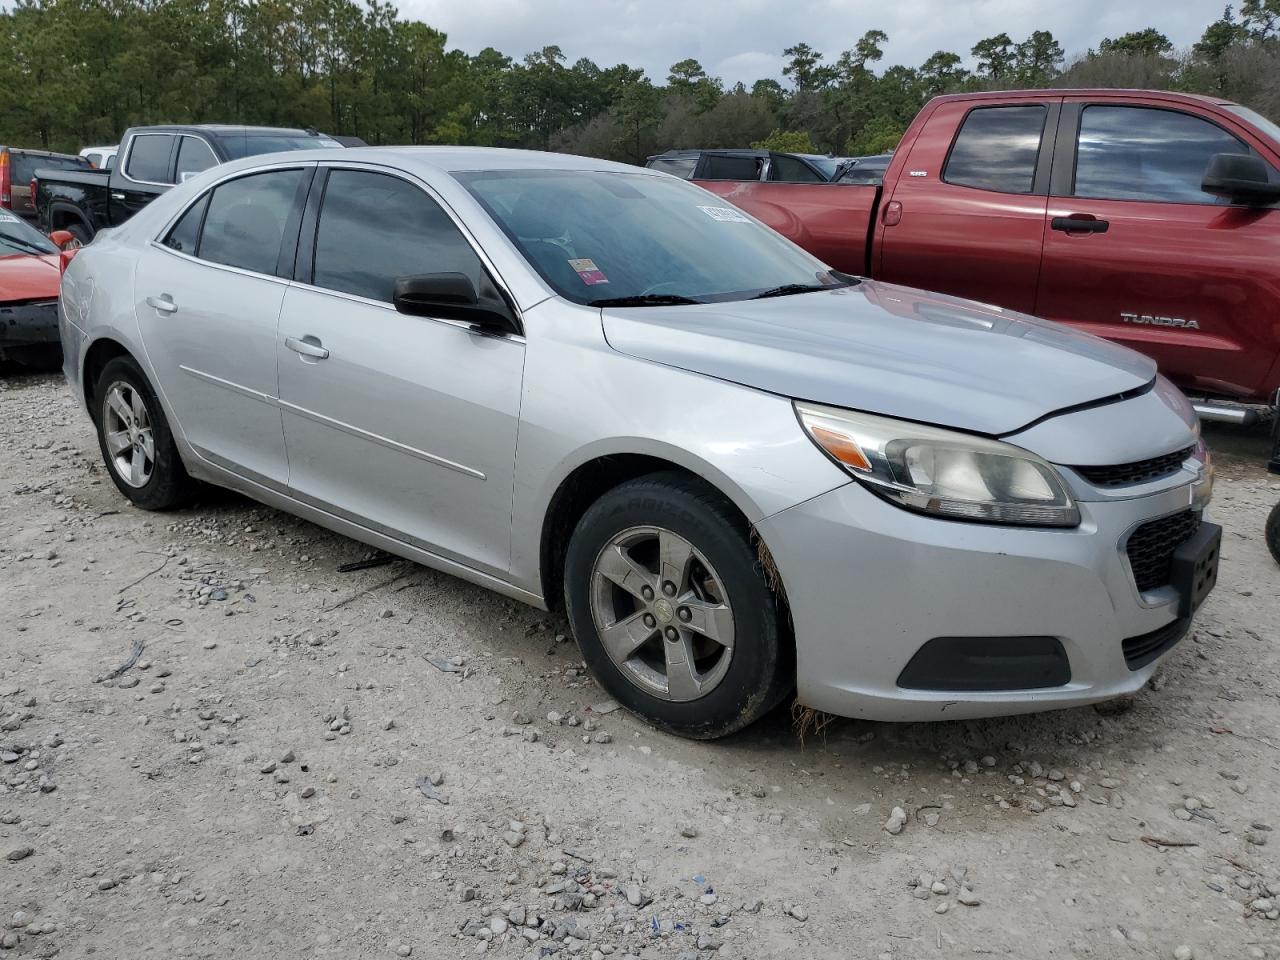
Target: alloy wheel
x,y
662,613
130,438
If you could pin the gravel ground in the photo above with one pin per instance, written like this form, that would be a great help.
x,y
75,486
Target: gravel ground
x,y
214,744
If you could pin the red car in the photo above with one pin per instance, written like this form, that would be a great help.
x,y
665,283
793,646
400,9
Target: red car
x,y
31,266
1144,217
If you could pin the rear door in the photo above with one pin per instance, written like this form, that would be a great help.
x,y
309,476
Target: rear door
x,y
966,215
1136,252
147,172
207,297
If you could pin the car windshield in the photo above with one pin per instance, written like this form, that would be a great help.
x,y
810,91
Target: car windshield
x,y
16,236
250,145
610,236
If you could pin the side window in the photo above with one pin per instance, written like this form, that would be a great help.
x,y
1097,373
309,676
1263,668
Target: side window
x,y
149,158
997,149
1141,153
720,167
791,170
376,228
194,155
245,222
186,232
111,162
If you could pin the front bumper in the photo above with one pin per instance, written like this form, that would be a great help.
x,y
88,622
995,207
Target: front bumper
x,y
28,323
870,584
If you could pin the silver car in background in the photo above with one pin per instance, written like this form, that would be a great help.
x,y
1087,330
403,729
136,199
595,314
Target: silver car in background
x,y
577,382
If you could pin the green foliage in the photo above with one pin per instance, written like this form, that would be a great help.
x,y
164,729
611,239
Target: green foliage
x,y
786,141
81,71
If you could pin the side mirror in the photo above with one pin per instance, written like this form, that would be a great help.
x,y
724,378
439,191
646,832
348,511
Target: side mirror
x,y
1240,178
64,239
452,296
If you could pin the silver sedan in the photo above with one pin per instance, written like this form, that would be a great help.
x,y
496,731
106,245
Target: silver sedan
x,y
742,473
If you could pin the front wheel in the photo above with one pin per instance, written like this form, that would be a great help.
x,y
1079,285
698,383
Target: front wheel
x,y
137,445
671,611
1273,532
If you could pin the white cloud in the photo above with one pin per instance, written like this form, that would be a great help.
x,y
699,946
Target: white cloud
x,y
743,39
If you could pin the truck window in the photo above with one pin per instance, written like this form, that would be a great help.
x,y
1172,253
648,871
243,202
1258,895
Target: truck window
x,y
719,167
1144,153
245,222
148,160
791,170
997,148
194,155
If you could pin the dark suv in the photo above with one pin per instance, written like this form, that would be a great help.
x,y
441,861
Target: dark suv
x,y
747,165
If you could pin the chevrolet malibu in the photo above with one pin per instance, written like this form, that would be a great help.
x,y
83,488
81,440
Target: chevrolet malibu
x,y
742,472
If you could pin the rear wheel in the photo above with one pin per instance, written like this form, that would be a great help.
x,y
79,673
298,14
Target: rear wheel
x,y
137,445
671,611
79,231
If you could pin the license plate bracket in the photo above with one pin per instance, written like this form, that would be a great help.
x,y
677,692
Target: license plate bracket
x,y
1195,567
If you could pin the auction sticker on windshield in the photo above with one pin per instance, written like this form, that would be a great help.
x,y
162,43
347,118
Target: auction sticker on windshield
x,y
725,214
589,273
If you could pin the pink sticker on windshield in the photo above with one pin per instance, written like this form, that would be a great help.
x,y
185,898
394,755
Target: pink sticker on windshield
x,y
589,272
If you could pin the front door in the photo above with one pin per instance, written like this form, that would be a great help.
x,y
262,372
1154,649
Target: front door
x,y
208,298
1136,252
404,424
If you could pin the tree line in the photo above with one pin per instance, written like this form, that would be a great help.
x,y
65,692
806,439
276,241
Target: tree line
x,y
77,72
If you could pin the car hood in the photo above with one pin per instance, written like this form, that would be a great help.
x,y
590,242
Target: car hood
x,y
890,350
26,276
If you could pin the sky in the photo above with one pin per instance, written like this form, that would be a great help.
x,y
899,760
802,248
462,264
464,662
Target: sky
x,y
743,39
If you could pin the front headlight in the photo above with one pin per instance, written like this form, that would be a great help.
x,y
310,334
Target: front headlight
x,y
942,472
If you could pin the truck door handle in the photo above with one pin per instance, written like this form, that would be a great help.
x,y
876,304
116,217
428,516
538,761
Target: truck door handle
x,y
1080,223
163,303
117,196
308,346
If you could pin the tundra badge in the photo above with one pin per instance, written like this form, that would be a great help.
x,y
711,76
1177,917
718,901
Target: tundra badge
x,y
1148,320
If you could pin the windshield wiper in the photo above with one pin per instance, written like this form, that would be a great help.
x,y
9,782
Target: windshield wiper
x,y
787,289
26,245
645,300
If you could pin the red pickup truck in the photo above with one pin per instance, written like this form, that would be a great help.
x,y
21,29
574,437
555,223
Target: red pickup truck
x,y
1144,217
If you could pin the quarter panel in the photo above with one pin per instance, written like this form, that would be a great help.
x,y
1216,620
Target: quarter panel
x,y
582,400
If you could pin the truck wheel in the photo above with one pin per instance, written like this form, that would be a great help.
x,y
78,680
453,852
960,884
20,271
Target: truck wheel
x,y
671,611
79,231
1273,532
137,445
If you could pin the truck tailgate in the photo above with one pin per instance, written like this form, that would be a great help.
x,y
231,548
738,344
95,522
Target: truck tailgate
x,y
830,220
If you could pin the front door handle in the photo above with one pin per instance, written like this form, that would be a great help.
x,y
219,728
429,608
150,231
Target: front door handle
x,y
1080,223
308,346
116,196
163,303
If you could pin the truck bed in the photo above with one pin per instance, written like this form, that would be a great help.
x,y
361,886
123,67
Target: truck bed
x,y
831,220
89,178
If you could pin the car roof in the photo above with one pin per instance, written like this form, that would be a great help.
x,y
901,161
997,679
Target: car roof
x,y
451,159
227,130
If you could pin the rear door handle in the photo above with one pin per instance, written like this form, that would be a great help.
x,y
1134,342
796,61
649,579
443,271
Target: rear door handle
x,y
163,303
1080,223
308,346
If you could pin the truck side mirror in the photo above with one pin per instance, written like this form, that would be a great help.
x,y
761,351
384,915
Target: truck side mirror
x,y
1240,178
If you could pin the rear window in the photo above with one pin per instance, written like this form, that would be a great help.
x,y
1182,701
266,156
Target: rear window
x,y
681,167
997,149
148,159
24,165
253,144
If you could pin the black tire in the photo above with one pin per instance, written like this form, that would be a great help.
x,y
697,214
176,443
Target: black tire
x,y
169,485
79,231
1273,532
761,670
